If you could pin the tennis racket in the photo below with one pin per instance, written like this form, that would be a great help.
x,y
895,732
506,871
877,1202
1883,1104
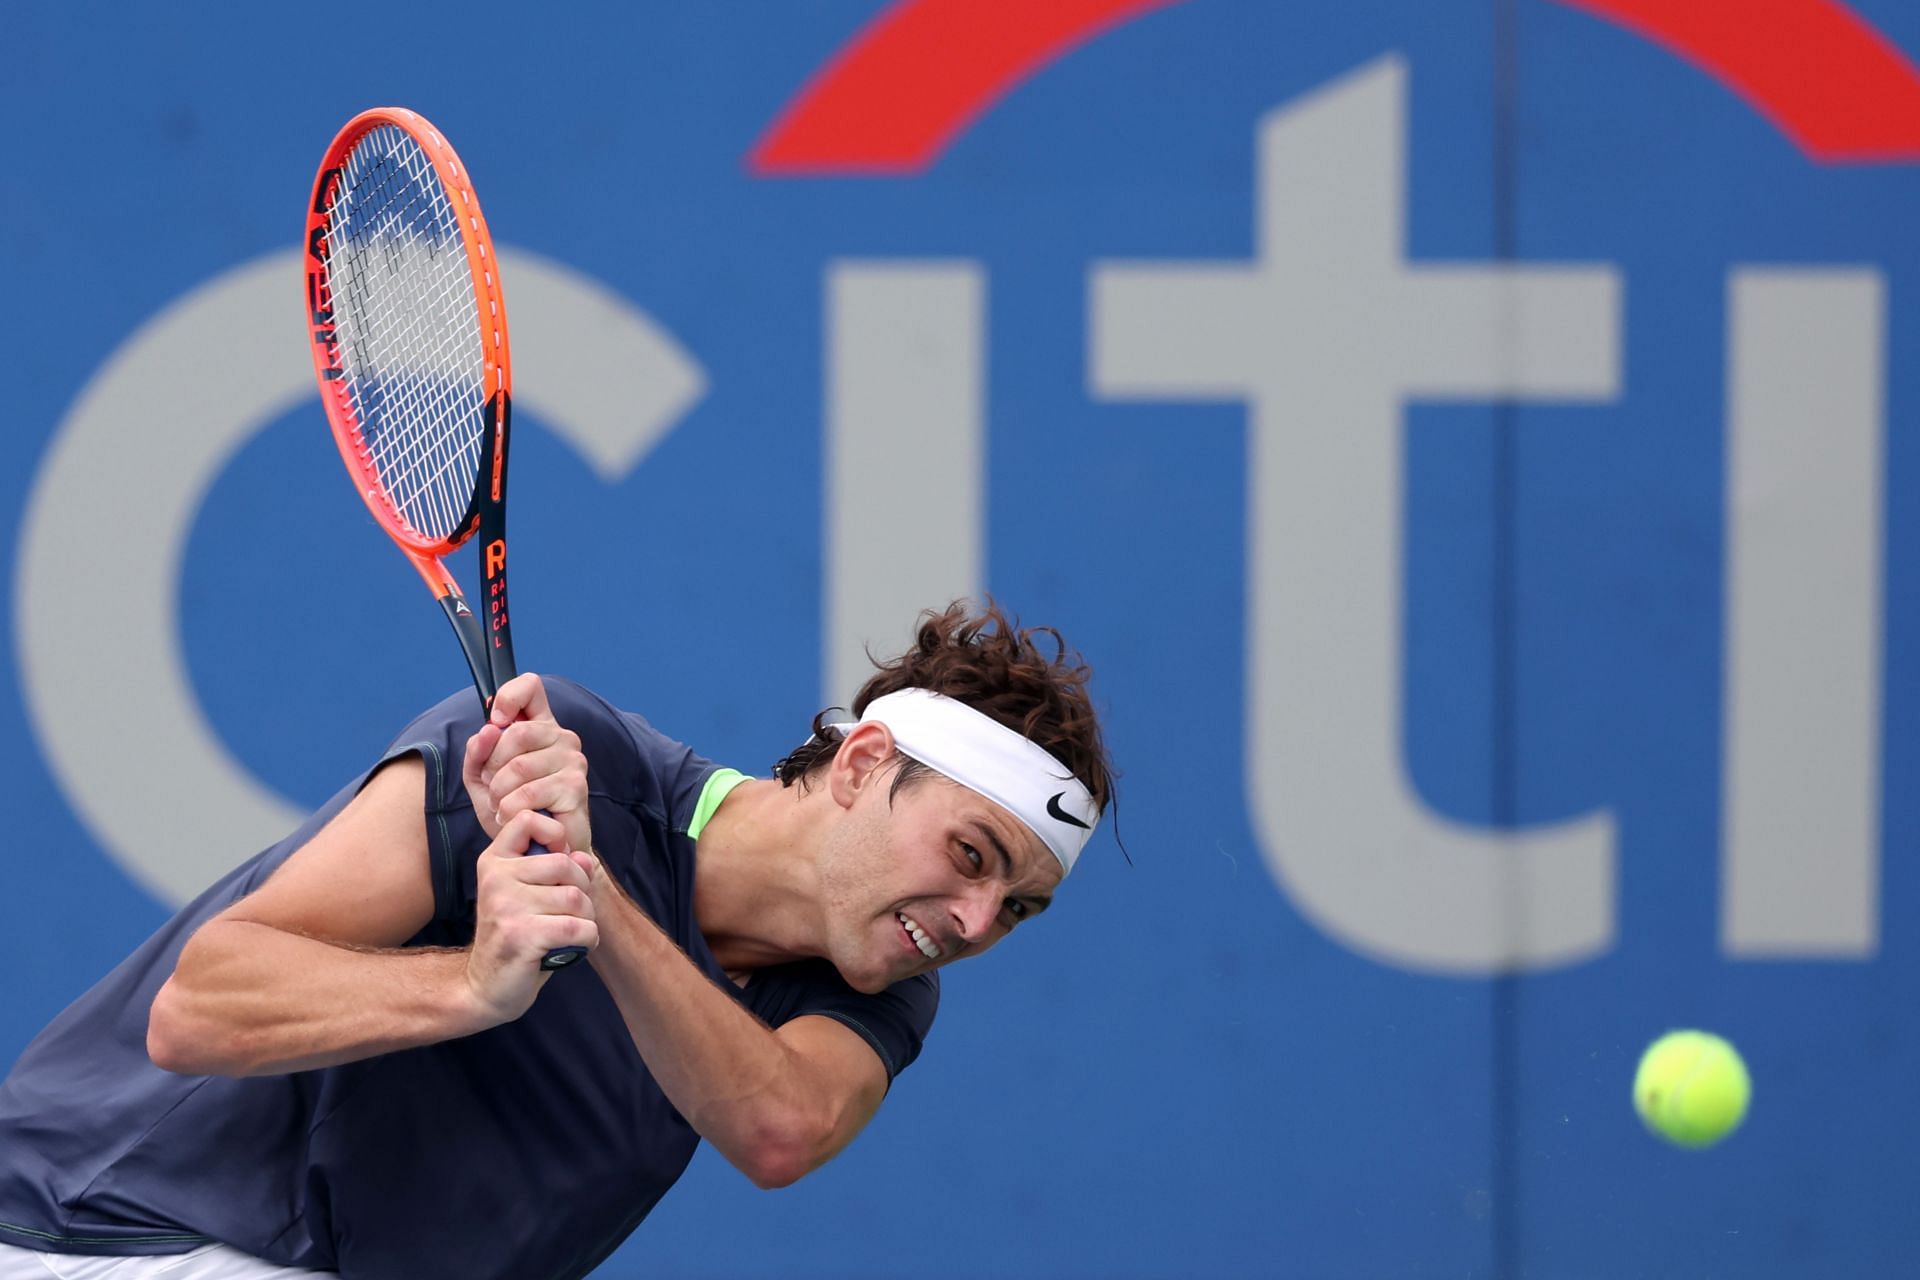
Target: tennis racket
x,y
409,335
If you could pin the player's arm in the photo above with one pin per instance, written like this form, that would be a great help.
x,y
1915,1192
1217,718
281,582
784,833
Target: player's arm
x,y
776,1104
308,970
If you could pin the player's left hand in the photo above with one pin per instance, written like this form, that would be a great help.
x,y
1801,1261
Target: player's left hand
x,y
522,759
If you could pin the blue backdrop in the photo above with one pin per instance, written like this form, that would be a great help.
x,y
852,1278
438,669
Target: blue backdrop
x,y
1607,561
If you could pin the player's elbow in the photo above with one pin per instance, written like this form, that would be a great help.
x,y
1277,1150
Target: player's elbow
x,y
781,1154
772,1170
182,1041
170,1043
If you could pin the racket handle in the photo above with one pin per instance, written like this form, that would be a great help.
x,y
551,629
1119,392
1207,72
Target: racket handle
x,y
559,957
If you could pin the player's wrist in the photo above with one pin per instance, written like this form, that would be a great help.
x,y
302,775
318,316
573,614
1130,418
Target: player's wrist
x,y
608,892
472,1005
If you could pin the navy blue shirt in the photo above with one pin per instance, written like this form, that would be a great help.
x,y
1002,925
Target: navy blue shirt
x,y
529,1150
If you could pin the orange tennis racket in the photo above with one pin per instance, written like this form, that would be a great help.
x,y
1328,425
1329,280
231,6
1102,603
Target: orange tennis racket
x,y
409,335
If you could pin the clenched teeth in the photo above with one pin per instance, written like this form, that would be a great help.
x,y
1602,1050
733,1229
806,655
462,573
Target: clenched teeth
x,y
928,947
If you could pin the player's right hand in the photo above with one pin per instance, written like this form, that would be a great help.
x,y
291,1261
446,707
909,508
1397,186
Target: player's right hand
x,y
526,907
522,758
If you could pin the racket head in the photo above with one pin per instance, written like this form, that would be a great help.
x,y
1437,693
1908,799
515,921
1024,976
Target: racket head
x,y
408,328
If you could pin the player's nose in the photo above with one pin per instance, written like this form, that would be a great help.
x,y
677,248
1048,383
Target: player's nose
x,y
974,911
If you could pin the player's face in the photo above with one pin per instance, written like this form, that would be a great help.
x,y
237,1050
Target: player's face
x,y
931,875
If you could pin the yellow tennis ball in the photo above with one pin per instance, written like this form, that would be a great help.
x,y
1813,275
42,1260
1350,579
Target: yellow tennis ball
x,y
1692,1088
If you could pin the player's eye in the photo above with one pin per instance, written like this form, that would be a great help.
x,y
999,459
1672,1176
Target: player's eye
x,y
972,855
1016,909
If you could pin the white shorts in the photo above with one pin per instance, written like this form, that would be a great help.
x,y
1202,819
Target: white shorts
x,y
208,1262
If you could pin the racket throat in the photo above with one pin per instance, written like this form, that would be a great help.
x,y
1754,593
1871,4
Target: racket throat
x,y
471,633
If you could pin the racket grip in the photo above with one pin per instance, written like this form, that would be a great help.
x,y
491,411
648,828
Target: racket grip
x,y
559,957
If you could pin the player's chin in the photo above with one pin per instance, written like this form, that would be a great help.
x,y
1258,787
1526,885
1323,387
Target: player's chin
x,y
871,974
864,976
867,984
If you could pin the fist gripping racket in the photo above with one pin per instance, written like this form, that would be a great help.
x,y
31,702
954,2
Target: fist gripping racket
x,y
409,338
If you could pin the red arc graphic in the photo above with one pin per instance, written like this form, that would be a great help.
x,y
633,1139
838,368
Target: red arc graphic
x,y
915,77
1842,91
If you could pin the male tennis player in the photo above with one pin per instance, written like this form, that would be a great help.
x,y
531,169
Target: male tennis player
x,y
345,1057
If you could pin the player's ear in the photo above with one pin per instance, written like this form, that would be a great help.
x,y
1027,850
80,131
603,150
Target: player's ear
x,y
856,765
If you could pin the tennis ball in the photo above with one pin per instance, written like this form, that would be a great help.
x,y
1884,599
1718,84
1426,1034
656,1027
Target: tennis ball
x,y
1692,1088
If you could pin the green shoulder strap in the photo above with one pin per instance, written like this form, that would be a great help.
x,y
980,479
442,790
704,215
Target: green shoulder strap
x,y
720,783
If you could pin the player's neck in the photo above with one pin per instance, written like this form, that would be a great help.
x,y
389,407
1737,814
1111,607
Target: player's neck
x,y
755,886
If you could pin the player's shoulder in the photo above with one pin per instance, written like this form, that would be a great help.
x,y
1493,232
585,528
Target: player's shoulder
x,y
445,725
780,992
629,759
597,720
894,1022
578,707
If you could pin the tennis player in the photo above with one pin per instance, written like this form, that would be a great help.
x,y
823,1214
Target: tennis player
x,y
345,1057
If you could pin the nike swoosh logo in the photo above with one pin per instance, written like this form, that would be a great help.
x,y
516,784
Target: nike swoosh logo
x,y
1056,812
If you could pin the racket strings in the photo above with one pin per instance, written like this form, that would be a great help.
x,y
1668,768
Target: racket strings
x,y
430,431
409,329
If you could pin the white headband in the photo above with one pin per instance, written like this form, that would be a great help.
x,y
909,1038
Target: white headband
x,y
985,756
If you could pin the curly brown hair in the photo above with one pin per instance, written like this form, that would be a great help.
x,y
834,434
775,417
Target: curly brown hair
x,y
994,665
